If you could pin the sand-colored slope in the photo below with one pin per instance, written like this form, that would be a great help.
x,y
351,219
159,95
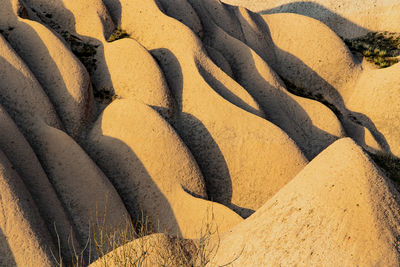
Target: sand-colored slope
x,y
377,96
339,211
149,164
29,242
62,76
225,86
155,250
219,60
21,93
184,12
347,18
254,74
331,65
122,67
255,33
229,144
87,18
134,73
22,157
365,97
84,190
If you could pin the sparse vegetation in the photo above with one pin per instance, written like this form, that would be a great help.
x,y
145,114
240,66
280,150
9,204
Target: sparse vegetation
x,y
118,34
380,48
182,252
105,95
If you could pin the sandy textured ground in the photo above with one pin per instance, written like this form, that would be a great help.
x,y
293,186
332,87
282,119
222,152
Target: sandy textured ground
x,y
196,133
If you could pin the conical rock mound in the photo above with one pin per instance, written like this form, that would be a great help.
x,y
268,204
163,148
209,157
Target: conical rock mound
x,y
338,211
244,158
150,167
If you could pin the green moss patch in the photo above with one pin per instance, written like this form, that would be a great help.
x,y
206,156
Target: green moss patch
x,y
380,48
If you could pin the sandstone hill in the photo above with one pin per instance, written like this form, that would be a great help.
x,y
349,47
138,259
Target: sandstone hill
x,y
197,133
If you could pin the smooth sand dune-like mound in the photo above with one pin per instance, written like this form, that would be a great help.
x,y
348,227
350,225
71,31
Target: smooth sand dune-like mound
x,y
23,158
21,93
25,240
339,211
364,98
134,73
122,67
123,141
84,190
223,138
61,75
347,18
377,96
282,108
330,67
179,133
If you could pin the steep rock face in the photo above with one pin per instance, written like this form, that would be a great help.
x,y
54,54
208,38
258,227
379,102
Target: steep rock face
x,y
347,18
150,167
28,242
340,210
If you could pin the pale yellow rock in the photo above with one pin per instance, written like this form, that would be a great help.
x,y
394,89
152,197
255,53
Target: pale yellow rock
x,y
184,12
91,18
219,60
229,144
22,157
62,76
153,250
134,73
85,18
362,96
86,193
28,240
21,94
340,210
347,18
150,167
226,87
122,67
285,110
329,69
256,33
377,97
